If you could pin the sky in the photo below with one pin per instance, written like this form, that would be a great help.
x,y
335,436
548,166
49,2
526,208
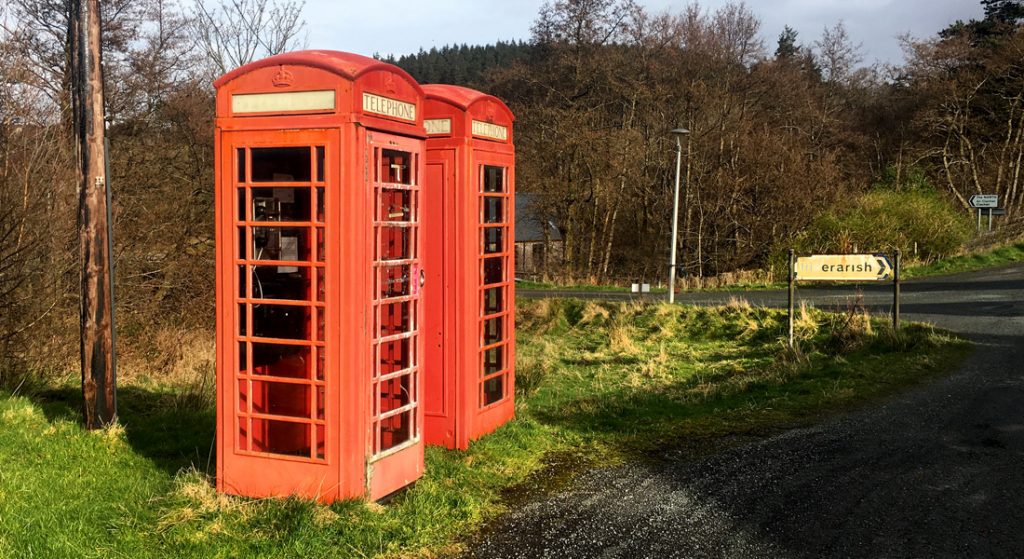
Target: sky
x,y
404,26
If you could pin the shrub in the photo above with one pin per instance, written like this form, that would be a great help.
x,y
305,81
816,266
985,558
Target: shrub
x,y
885,219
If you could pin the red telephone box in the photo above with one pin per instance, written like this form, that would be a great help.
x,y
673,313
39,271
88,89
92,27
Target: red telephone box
x,y
318,177
468,220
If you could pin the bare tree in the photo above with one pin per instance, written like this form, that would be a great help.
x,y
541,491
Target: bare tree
x,y
239,31
838,55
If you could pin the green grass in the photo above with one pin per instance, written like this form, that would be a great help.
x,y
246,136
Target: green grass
x,y
543,286
600,382
1000,256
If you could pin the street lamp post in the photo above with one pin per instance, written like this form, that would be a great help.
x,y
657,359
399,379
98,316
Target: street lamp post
x,y
678,133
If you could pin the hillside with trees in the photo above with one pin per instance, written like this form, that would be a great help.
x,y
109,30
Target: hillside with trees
x,y
780,135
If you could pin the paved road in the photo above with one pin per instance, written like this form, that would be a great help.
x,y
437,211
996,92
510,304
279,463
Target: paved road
x,y
937,471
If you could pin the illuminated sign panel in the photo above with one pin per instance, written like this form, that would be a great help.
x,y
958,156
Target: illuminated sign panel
x,y
488,130
389,107
438,125
292,101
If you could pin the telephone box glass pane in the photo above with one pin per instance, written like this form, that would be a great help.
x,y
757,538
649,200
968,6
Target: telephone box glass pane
x,y
494,179
241,242
241,164
494,360
279,360
395,430
395,243
394,356
243,396
280,321
395,393
280,437
281,243
281,204
493,209
395,167
394,281
243,358
241,280
493,300
494,389
290,283
493,328
241,205
291,164
395,318
242,320
321,363
493,270
320,163
492,240
395,205
281,398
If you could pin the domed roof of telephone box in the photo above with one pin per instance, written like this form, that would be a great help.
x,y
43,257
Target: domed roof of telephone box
x,y
462,97
345,64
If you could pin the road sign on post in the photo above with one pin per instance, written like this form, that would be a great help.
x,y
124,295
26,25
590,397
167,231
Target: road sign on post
x,y
843,267
984,201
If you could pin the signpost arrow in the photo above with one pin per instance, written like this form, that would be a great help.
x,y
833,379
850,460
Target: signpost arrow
x,y
884,267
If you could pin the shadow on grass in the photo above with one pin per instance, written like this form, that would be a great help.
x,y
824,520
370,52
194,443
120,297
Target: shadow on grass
x,y
170,430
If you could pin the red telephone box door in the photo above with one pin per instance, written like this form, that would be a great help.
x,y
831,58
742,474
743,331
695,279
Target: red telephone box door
x,y
396,418
275,425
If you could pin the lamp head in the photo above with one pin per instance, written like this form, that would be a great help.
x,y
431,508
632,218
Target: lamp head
x,y
679,131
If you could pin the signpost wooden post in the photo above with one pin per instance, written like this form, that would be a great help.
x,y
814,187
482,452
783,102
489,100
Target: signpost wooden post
x,y
792,293
844,267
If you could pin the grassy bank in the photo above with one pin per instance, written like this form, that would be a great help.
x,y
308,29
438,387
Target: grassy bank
x,y
602,381
544,286
1000,256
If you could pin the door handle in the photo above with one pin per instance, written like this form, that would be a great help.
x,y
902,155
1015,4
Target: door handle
x,y
423,277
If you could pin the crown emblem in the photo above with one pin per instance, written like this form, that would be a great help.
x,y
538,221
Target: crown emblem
x,y
283,78
389,83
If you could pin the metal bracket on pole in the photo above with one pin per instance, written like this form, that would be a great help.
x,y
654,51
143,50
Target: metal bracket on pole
x,y
896,291
792,294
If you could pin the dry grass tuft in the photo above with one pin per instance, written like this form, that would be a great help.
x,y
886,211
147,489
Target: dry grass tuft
x,y
534,362
621,339
805,323
194,497
738,304
594,312
654,369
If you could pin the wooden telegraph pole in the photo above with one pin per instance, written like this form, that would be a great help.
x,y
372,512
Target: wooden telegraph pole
x,y
97,304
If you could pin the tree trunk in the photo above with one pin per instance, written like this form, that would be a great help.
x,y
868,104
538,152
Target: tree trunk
x,y
96,310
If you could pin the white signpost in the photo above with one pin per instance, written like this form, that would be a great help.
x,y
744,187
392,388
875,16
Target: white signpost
x,y
986,202
844,267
